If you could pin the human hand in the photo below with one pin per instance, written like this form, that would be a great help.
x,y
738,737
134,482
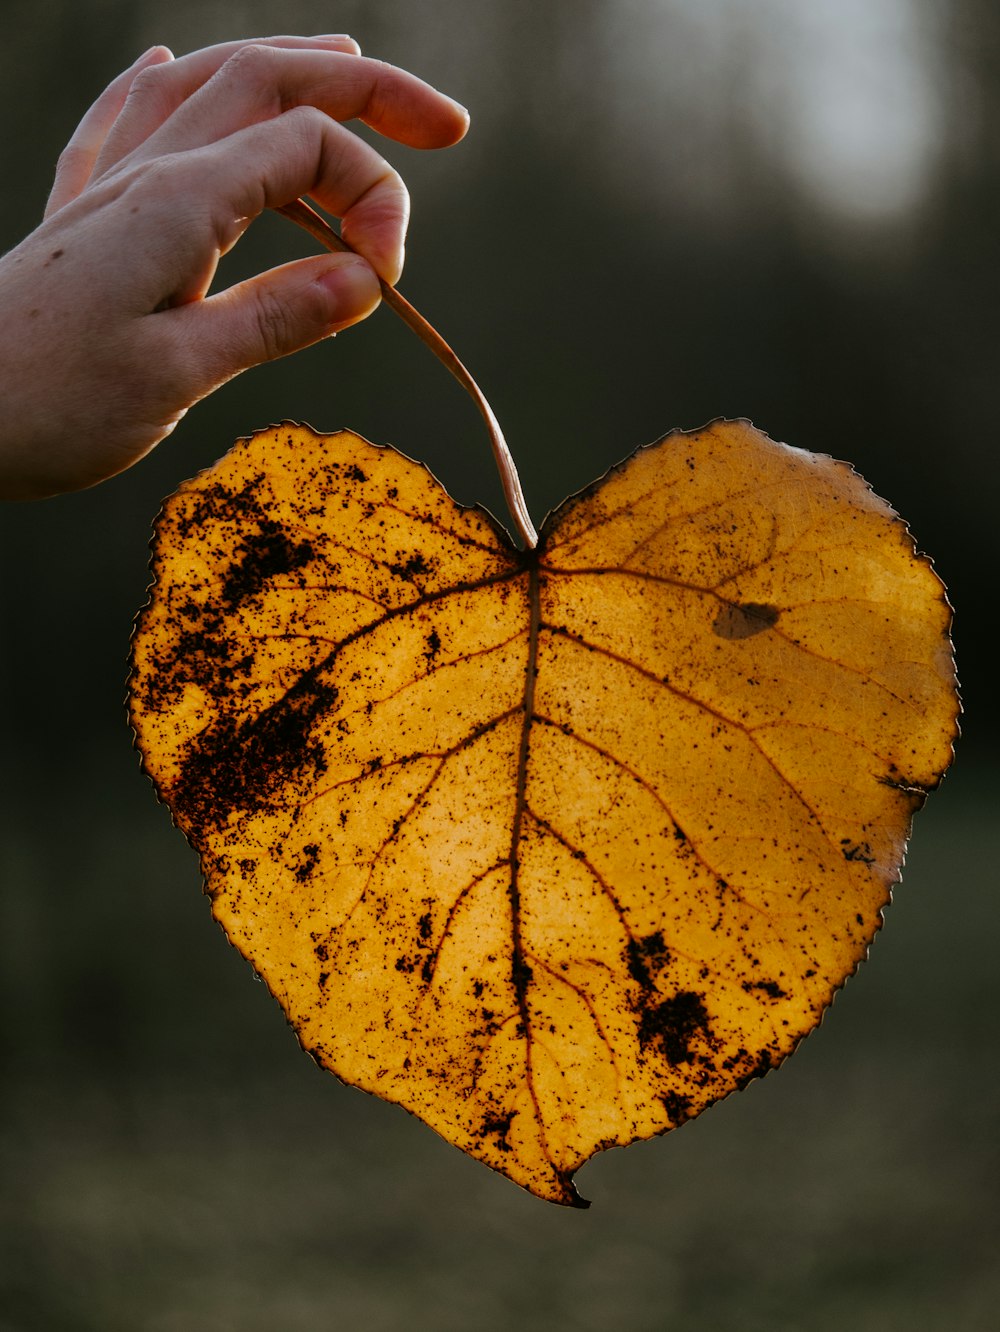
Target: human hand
x,y
108,333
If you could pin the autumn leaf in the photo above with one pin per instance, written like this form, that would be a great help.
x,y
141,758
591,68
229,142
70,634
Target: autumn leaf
x,y
553,847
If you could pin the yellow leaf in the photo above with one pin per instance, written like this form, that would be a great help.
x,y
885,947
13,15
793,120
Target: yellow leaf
x,y
554,848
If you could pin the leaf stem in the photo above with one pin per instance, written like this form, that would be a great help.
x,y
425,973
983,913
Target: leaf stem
x,y
299,211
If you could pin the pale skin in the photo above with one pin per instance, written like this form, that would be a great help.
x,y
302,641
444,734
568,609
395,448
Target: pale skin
x,y
110,333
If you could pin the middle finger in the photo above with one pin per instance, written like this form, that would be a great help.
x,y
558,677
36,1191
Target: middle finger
x,y
258,83
152,101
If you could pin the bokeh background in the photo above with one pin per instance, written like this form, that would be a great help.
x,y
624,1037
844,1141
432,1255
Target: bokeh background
x,y
666,211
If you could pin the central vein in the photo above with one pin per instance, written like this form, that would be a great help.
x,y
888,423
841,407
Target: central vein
x,y
520,971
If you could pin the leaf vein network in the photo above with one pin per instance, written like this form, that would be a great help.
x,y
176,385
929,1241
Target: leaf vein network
x,y
445,933
585,998
720,880
403,760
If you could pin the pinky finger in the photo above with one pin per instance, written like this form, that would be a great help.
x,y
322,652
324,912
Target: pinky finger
x,y
76,162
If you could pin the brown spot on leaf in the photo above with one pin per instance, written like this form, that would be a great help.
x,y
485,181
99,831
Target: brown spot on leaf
x,y
415,565
247,766
671,1026
646,956
769,987
677,1106
736,621
310,860
499,1125
268,554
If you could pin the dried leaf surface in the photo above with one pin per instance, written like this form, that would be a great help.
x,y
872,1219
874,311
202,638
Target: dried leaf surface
x,y
554,849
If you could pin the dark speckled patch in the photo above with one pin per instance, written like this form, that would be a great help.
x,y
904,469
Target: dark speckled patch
x,y
269,554
670,1026
646,956
245,767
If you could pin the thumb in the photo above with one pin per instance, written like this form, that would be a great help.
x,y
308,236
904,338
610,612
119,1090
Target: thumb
x,y
271,315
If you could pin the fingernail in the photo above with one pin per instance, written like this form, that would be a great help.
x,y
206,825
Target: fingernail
x,y
392,267
353,290
161,52
342,38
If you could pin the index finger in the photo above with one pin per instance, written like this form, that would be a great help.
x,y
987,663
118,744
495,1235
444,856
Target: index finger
x,y
259,81
140,116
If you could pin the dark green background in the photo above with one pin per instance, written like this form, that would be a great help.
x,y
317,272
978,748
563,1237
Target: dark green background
x,y
644,229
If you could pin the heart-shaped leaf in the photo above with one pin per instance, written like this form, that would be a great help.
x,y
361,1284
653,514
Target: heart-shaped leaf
x,y
555,847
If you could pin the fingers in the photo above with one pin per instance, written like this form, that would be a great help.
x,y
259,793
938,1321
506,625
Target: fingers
x,y
77,160
268,316
150,103
197,204
154,101
261,82
87,148
304,152
169,111
287,308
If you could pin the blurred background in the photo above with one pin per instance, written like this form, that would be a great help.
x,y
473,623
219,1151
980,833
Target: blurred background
x,y
665,211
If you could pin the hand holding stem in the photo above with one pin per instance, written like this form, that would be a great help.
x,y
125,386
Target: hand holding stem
x,y
109,333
